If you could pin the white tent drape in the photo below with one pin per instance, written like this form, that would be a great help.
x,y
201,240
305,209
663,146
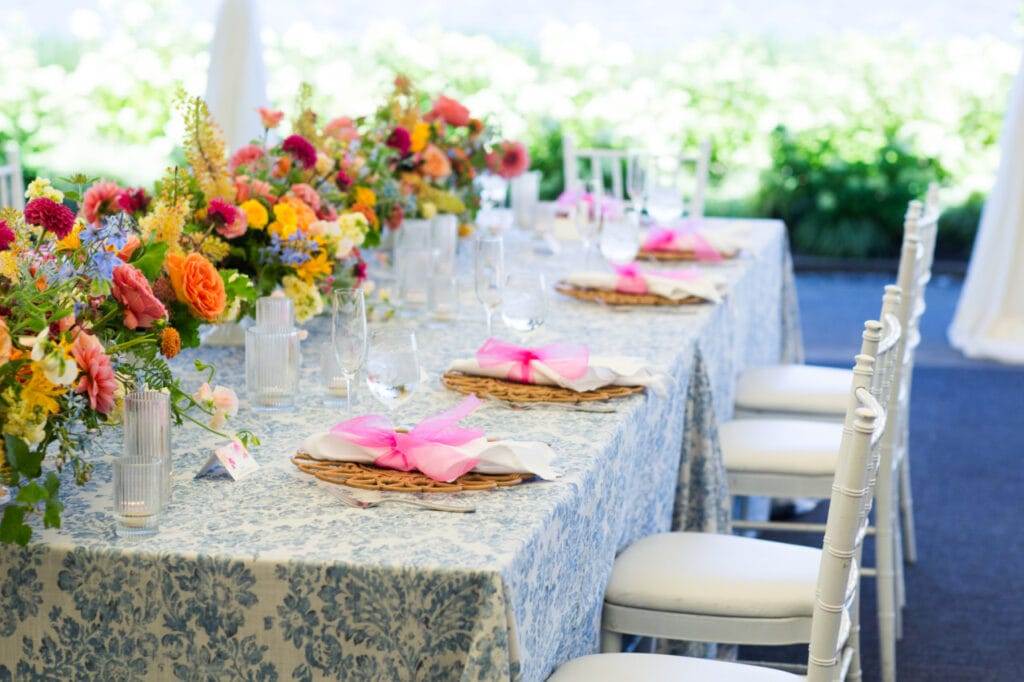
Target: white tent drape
x,y
989,321
236,82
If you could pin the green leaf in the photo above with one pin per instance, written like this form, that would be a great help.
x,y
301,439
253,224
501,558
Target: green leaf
x,y
21,459
150,259
32,494
238,285
51,515
13,528
52,484
186,324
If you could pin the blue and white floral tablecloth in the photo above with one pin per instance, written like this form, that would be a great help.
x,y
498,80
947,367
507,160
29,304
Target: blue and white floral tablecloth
x,y
270,578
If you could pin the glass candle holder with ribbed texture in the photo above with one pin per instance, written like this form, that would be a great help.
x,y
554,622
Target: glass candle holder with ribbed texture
x,y
272,361
142,474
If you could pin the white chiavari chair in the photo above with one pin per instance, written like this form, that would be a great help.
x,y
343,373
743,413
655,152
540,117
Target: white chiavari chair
x,y
617,161
751,608
12,183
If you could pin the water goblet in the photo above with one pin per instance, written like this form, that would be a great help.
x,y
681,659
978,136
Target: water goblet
x,y
392,366
348,336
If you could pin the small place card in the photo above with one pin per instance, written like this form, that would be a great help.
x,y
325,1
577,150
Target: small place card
x,y
232,458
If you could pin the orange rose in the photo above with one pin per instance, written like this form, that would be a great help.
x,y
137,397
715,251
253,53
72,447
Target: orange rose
x,y
197,283
435,163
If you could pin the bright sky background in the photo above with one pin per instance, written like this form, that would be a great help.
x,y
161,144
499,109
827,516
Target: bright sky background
x,y
653,23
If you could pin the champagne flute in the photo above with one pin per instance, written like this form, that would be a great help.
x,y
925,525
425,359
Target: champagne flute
x,y
664,195
392,366
348,336
636,180
490,275
524,304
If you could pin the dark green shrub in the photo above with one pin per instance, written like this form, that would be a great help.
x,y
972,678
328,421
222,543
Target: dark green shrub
x,y
957,227
836,205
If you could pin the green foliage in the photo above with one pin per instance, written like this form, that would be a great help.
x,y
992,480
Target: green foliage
x,y
149,258
26,463
842,202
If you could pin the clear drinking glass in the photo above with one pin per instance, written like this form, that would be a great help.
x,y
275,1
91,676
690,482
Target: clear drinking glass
x,y
620,239
443,297
392,366
348,335
413,261
664,193
636,180
524,304
272,361
139,492
444,238
493,190
489,266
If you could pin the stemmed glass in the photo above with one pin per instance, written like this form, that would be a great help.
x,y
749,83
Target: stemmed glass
x,y
636,180
524,304
664,195
348,336
620,239
589,218
490,275
392,366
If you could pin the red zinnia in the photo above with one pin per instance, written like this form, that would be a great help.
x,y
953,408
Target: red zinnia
x,y
51,216
343,181
228,219
509,160
133,200
400,139
301,148
6,236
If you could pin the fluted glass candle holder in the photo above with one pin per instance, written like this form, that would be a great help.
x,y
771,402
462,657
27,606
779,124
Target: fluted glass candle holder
x,y
272,356
142,474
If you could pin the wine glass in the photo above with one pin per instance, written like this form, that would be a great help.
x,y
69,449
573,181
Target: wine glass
x,y
392,366
620,239
636,180
348,335
664,196
490,275
524,303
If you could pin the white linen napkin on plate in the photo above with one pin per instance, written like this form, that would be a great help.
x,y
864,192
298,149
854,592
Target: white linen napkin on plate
x,y
699,285
601,371
496,457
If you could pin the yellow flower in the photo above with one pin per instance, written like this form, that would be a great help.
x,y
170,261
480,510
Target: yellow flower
x,y
419,137
466,230
9,265
255,214
214,248
72,241
41,187
365,195
324,163
40,392
314,267
286,221
304,297
166,222
354,227
428,209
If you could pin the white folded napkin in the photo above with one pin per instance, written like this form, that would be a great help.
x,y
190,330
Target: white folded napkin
x,y
601,371
496,457
727,240
701,286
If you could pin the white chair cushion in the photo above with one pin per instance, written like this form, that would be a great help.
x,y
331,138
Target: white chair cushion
x,y
661,668
781,446
715,575
801,389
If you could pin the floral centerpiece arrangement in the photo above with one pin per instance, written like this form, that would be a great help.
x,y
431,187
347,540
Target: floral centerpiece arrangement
x,y
272,214
89,310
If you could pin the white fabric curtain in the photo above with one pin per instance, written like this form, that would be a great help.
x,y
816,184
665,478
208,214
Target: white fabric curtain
x,y
236,84
989,321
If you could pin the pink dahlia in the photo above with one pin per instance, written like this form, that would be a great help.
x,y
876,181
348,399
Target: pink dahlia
x,y
230,222
450,111
101,199
510,159
301,149
400,140
343,181
141,306
51,216
245,155
327,212
133,200
341,128
307,194
6,235
98,376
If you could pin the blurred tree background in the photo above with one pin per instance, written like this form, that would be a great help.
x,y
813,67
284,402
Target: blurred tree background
x,y
832,134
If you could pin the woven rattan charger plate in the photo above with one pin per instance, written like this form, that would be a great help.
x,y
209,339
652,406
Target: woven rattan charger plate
x,y
672,256
620,298
500,389
370,477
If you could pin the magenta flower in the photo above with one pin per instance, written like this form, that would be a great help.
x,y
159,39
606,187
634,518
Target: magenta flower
x,y
6,236
301,149
400,139
51,216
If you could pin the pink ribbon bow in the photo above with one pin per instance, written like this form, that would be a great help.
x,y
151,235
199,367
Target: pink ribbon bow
x,y
431,447
567,360
632,280
668,239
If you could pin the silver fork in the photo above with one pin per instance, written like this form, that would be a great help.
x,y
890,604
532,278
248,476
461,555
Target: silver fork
x,y
368,500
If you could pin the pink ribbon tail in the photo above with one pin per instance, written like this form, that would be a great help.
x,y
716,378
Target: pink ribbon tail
x,y
631,280
660,239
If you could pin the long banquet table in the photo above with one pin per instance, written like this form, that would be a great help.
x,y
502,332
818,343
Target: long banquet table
x,y
271,578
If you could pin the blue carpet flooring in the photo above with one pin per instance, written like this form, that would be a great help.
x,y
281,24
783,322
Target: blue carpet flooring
x,y
965,597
